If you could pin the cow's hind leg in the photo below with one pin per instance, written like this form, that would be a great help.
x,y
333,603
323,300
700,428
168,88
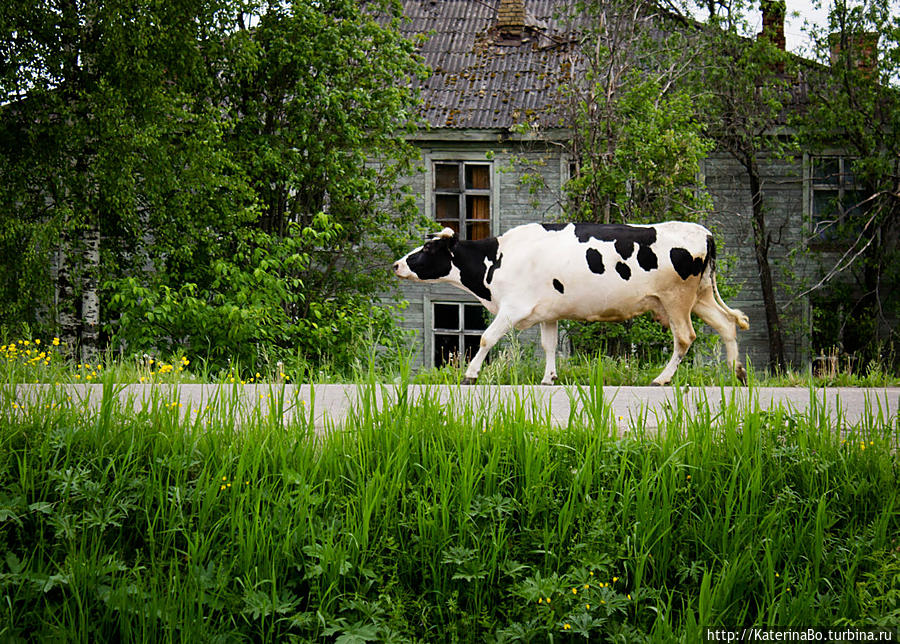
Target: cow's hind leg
x,y
496,330
683,336
549,337
723,324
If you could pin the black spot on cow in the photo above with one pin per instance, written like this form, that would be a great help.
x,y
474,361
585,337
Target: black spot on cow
x,y
469,257
623,236
647,258
554,227
623,271
686,264
594,261
558,286
494,265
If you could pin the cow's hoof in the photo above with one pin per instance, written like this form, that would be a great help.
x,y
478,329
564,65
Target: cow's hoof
x,y
550,381
656,384
741,374
468,381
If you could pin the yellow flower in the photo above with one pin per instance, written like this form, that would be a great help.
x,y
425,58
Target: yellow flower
x,y
615,579
574,591
55,342
566,626
540,600
37,340
587,607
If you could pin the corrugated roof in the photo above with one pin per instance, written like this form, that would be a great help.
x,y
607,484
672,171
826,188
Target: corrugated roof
x,y
481,77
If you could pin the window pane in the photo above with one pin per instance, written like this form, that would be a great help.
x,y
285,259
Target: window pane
x,y
445,348
446,176
849,179
446,207
474,318
826,170
478,207
825,204
478,177
449,223
852,203
478,230
472,344
446,316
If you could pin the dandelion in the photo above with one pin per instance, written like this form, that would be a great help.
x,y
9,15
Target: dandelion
x,y
628,596
566,626
540,600
586,586
574,591
587,607
55,342
37,341
615,579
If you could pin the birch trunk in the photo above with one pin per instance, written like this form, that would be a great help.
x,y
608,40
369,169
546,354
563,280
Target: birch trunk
x,y
90,300
66,312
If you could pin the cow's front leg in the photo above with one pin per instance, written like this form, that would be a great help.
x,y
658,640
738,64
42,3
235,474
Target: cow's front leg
x,y
496,330
549,337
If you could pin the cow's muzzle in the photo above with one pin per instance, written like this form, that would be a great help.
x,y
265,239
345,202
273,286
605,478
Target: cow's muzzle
x,y
401,270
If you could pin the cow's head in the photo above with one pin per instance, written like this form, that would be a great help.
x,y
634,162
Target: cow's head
x,y
432,261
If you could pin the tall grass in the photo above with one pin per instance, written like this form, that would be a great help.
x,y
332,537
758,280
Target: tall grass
x,y
433,522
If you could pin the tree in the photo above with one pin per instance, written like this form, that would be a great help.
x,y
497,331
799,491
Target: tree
x,y
316,101
854,107
742,89
636,144
93,98
218,177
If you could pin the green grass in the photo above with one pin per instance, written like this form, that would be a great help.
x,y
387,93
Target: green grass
x,y
428,523
511,364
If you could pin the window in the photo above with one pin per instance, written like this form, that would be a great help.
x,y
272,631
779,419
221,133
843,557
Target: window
x,y
457,329
836,198
462,198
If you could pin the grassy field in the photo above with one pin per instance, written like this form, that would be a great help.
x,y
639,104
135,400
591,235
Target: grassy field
x,y
511,364
425,523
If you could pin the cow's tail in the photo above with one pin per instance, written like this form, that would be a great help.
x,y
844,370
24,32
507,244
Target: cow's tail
x,y
737,315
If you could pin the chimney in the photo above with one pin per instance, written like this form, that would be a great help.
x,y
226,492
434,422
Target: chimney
x,y
773,12
862,50
511,19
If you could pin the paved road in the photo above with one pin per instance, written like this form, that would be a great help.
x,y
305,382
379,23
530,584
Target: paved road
x,y
328,405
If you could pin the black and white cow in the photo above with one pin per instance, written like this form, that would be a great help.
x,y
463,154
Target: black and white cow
x,y
542,273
